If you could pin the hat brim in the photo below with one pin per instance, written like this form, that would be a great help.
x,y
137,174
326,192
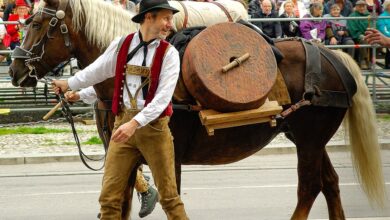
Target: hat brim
x,y
138,18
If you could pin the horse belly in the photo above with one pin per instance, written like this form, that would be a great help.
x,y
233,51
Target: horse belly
x,y
194,146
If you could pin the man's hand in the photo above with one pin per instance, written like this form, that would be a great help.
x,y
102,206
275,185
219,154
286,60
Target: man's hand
x,y
333,41
125,131
72,96
60,86
373,36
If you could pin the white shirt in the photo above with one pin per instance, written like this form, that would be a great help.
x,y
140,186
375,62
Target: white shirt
x,y
88,95
104,67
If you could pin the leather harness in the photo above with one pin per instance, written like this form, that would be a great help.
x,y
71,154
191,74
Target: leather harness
x,y
314,76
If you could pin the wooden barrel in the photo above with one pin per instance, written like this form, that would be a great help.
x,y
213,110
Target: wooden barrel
x,y
241,88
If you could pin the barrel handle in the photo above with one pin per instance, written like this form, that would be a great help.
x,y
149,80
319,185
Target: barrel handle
x,y
52,111
236,62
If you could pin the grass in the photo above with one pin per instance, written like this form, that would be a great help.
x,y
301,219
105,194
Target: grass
x,y
385,117
27,130
93,140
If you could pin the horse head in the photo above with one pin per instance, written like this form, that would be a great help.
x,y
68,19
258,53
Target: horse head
x,y
47,43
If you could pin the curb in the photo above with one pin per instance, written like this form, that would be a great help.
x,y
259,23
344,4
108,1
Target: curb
x,y
273,149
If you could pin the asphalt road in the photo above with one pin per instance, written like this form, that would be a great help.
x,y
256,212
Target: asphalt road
x,y
260,187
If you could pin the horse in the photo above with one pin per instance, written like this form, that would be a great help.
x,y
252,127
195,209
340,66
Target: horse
x,y
49,42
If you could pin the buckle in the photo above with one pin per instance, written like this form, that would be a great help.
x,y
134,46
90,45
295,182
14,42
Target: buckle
x,y
53,22
64,29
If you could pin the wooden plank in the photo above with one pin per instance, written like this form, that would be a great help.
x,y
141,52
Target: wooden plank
x,y
88,122
210,128
209,117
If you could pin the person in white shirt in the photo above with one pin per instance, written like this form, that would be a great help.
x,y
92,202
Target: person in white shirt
x,y
3,32
141,125
146,191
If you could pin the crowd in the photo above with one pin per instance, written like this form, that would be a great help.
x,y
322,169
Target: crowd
x,y
328,32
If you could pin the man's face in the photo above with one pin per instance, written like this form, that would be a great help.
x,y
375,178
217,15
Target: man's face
x,y
266,7
335,12
361,8
160,25
288,7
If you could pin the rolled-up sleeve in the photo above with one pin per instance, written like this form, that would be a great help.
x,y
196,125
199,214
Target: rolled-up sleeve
x,y
88,95
166,86
101,69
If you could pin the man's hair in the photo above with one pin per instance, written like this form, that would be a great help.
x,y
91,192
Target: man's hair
x,y
153,12
334,6
288,2
315,5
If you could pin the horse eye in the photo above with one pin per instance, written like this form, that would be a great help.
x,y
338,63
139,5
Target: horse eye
x,y
36,26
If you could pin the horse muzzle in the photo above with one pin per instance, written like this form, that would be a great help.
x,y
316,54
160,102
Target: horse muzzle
x,y
22,77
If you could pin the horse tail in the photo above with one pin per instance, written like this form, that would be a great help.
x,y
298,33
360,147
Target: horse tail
x,y
361,126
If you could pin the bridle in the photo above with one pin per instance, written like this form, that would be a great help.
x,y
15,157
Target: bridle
x,y
35,54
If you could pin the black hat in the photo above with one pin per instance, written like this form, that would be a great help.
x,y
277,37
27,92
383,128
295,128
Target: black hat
x,y
146,6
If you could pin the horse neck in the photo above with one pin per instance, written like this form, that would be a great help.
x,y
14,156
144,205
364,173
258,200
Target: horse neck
x,y
87,54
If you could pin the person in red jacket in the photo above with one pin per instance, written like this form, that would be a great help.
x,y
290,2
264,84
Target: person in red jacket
x,y
17,30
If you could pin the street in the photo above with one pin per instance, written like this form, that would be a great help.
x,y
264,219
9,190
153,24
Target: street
x,y
259,187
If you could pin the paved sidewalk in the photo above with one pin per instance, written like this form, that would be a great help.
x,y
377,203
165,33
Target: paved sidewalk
x,y
61,147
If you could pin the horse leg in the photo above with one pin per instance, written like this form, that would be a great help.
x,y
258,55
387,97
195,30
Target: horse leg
x,y
311,129
309,179
331,191
178,176
128,195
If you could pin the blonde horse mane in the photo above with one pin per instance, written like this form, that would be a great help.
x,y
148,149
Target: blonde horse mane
x,y
101,21
361,126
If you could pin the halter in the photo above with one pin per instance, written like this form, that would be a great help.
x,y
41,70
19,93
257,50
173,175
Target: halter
x,y
57,16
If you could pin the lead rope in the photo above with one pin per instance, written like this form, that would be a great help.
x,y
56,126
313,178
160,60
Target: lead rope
x,y
68,115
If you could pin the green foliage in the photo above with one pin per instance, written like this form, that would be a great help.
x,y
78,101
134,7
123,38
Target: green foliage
x,y
93,140
27,130
385,117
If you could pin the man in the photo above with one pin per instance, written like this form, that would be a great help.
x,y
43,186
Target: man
x,y
141,124
148,194
357,28
270,28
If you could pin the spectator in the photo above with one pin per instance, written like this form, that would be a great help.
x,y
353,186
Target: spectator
x,y
374,3
336,30
383,26
8,9
3,31
314,30
254,7
289,28
345,6
270,28
357,28
17,31
298,8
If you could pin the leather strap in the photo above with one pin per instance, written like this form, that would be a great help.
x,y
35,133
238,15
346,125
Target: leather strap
x,y
185,14
313,68
345,76
313,78
224,10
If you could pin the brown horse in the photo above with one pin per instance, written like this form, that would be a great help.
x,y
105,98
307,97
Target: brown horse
x,y
93,24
